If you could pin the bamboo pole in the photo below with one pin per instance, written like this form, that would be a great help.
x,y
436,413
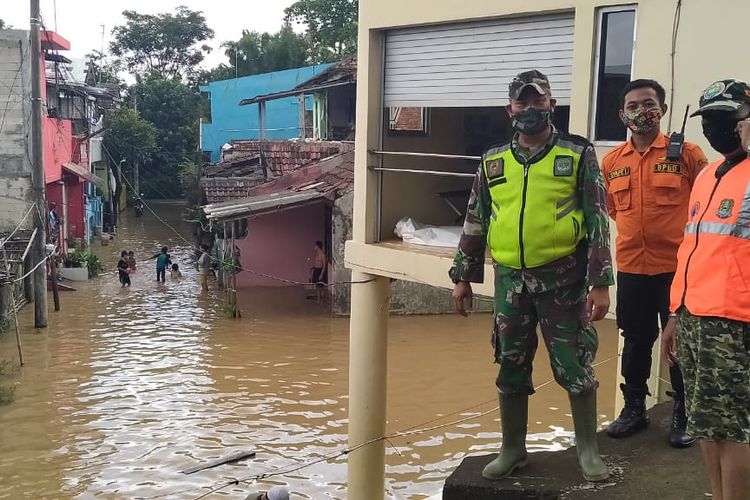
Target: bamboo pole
x,y
13,302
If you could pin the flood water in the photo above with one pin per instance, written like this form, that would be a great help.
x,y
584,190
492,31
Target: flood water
x,y
127,387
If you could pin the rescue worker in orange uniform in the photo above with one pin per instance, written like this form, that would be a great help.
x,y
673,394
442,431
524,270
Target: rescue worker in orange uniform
x,y
710,298
648,197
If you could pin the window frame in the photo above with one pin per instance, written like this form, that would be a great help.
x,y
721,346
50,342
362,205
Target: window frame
x,y
595,68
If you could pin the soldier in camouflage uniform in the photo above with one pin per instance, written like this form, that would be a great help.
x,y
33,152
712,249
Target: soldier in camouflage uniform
x,y
709,331
539,203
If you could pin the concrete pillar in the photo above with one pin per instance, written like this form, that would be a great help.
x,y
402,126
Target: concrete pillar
x,y
368,361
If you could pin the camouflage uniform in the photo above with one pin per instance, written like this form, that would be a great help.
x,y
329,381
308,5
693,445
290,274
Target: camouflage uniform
x,y
552,295
715,355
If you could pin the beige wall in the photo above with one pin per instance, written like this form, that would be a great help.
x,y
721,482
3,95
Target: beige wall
x,y
699,61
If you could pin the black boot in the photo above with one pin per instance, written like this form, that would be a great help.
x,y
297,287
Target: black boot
x,y
633,416
678,436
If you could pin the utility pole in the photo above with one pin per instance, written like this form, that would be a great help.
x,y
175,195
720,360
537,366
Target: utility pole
x,y
136,180
37,172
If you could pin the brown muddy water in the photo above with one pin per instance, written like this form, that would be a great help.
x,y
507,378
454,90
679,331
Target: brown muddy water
x,y
126,388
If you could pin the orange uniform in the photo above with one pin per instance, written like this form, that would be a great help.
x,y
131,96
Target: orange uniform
x,y
713,277
648,198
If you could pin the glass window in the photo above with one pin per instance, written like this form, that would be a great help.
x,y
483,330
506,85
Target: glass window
x,y
408,121
614,64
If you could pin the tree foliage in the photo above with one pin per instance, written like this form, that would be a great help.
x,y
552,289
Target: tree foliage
x,y
4,25
173,108
331,27
164,44
256,53
128,136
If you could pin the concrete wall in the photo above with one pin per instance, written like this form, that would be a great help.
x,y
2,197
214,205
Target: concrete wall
x,y
342,232
281,245
231,121
15,114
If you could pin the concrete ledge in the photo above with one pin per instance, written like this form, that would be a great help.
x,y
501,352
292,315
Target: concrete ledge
x,y
643,467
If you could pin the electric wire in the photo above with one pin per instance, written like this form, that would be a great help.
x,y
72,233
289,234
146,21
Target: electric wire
x,y
414,430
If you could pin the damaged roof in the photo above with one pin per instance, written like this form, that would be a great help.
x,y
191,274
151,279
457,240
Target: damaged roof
x,y
283,157
327,179
220,189
341,73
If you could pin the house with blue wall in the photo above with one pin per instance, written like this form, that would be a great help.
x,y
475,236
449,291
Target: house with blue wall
x,y
230,121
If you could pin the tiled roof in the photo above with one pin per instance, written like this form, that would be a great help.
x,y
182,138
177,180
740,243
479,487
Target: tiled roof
x,y
218,189
329,178
286,156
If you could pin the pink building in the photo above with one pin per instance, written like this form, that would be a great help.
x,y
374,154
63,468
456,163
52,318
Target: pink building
x,y
66,165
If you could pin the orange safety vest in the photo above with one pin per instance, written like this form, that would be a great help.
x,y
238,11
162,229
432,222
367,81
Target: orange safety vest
x,y
713,261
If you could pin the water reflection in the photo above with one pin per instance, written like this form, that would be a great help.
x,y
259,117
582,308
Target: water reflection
x,y
128,387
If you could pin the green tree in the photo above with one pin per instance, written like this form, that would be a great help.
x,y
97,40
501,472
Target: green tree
x,y
162,44
331,27
4,25
173,108
256,53
127,136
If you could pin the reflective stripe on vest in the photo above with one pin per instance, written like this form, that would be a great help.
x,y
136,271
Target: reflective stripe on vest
x,y
713,262
536,214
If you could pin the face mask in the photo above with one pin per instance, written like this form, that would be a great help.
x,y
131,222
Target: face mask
x,y
721,134
642,121
531,120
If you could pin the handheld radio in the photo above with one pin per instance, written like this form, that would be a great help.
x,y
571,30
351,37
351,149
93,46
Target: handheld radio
x,y
677,140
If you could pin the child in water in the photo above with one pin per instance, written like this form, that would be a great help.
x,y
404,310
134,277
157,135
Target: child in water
x,y
175,272
131,261
162,261
123,270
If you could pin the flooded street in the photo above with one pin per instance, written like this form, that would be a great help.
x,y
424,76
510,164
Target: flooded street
x,y
127,387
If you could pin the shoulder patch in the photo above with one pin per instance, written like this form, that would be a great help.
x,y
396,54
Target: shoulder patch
x,y
495,168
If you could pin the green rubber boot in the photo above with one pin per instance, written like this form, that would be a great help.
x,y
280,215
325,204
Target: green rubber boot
x,y
514,415
584,419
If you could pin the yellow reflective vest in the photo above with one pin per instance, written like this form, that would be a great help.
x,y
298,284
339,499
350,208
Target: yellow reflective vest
x,y
536,214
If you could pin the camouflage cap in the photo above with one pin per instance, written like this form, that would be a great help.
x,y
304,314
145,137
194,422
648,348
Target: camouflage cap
x,y
724,95
534,79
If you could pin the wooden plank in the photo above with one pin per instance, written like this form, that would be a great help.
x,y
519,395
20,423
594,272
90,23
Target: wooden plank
x,y
232,457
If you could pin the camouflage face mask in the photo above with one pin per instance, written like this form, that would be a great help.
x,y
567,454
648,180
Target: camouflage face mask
x,y
531,120
642,121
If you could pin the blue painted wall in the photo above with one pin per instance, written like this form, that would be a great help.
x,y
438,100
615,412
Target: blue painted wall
x,y
231,121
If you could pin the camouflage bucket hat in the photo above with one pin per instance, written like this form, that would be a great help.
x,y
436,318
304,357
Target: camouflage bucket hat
x,y
534,79
724,95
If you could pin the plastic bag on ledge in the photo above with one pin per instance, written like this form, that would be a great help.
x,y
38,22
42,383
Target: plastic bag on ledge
x,y
414,232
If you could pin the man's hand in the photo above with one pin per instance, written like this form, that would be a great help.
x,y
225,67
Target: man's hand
x,y
669,342
463,297
597,303
743,129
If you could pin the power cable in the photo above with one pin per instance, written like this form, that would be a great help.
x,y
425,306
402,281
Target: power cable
x,y
414,430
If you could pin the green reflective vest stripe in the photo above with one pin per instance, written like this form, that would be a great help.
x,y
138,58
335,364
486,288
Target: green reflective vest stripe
x,y
536,216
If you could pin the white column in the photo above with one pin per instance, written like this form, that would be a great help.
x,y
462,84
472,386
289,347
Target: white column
x,y
368,362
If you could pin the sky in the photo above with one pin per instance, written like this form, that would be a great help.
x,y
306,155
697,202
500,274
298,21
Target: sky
x,y
80,21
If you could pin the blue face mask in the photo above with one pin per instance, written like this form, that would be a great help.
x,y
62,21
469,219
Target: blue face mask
x,y
531,120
